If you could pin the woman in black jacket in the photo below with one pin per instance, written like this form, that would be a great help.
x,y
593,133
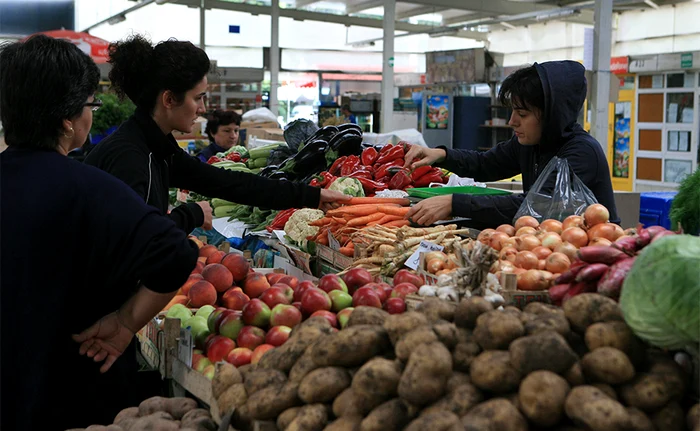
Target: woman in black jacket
x,y
168,85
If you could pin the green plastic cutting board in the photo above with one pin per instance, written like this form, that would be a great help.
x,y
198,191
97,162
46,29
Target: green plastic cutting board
x,y
429,192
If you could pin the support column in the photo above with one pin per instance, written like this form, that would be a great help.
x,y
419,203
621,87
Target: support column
x,y
602,41
274,56
388,66
202,43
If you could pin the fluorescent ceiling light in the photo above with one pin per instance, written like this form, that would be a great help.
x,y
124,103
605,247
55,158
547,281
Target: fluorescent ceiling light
x,y
117,19
557,14
508,25
651,3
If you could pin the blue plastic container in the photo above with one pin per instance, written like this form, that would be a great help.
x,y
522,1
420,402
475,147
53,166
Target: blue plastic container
x,y
655,208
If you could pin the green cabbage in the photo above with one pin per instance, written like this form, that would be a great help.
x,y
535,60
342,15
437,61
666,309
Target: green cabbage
x,y
660,297
349,186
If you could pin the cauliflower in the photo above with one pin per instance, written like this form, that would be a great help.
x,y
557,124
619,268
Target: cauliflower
x,y
297,227
348,186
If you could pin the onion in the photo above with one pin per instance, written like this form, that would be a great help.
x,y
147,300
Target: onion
x,y
600,241
508,253
527,242
541,264
568,249
575,236
654,230
495,267
631,231
485,236
558,262
609,231
435,255
496,240
526,260
506,266
551,225
533,279
526,221
551,240
526,230
596,214
542,252
572,221
509,242
518,271
450,264
443,272
506,229
435,265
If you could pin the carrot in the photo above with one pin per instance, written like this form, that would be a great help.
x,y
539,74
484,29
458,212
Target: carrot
x,y
321,222
387,218
358,201
347,251
366,219
340,220
358,210
397,223
351,245
393,210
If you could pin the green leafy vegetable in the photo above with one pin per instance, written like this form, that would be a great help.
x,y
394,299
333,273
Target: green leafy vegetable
x,y
686,205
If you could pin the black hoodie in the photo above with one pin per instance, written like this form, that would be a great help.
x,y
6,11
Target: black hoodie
x,y
564,85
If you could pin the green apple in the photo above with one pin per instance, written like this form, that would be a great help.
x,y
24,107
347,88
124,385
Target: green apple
x,y
205,311
179,311
198,328
341,300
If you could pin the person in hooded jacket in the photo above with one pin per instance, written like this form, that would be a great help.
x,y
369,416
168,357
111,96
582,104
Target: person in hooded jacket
x,y
546,99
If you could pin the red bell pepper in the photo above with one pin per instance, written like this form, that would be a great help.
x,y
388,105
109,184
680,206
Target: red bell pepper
x,y
361,172
400,180
213,159
369,156
383,170
385,148
431,177
234,157
396,152
280,220
322,180
349,165
335,167
419,172
370,186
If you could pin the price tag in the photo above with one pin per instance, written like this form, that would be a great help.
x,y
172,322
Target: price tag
x,y
424,247
332,242
184,347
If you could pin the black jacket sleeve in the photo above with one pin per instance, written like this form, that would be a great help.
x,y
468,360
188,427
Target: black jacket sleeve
x,y
490,211
498,163
187,216
191,174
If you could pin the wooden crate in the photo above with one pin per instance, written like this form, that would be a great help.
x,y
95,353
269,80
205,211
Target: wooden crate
x,y
520,298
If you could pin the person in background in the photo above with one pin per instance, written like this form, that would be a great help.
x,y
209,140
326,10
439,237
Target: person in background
x,y
77,247
167,83
222,130
347,113
546,99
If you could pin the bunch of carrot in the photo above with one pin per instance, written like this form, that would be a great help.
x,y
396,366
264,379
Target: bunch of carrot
x,y
359,213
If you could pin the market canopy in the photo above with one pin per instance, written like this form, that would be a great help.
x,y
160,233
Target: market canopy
x,y
93,46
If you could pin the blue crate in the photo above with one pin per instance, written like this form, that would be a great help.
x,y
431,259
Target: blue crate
x,y
655,208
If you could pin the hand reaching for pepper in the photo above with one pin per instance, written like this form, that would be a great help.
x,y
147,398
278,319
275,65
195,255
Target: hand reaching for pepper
x,y
428,211
419,156
331,199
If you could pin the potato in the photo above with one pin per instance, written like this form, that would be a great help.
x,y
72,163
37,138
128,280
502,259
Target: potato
x,y
607,390
607,365
352,346
459,401
413,339
673,374
493,371
669,418
457,379
541,397
590,407
303,366
286,417
312,417
130,412
270,402
232,398
446,333
397,325
543,351
104,428
177,407
693,418
551,321
639,421
391,415
226,376
200,424
155,423
497,414
196,413
469,309
609,334
495,330
588,308
322,385
511,309
364,315
575,375
542,309
436,309
285,356
262,378
348,403
347,423
577,343
437,421
379,377
247,369
463,355
425,378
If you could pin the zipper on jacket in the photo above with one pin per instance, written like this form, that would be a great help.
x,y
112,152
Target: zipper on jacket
x,y
537,158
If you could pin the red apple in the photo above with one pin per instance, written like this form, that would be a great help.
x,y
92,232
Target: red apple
x,y
255,284
395,305
343,316
285,315
289,280
215,257
202,364
196,357
356,278
207,250
209,372
256,313
379,290
332,282
231,325
297,304
216,317
259,352
387,289
250,337
239,356
207,342
275,295
219,348
303,286
237,265
273,277
288,291
366,296
331,317
191,280
278,335
201,293
315,299
218,276
234,299
406,276
403,289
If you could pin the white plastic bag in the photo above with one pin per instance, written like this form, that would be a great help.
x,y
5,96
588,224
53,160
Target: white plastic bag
x,y
259,115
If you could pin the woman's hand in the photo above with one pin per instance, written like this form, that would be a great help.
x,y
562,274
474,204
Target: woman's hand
x,y
423,156
208,215
428,211
331,199
106,340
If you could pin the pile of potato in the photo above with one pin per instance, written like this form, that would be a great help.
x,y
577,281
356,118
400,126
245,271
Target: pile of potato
x,y
464,366
161,414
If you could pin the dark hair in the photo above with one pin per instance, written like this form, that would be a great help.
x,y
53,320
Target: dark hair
x,y
141,71
220,118
345,107
43,81
523,89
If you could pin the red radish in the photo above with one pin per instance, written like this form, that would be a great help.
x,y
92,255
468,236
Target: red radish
x,y
557,292
611,283
592,272
600,254
570,275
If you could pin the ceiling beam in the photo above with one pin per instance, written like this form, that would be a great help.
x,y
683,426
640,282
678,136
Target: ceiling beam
x,y
466,18
350,9
124,12
494,7
586,17
421,10
303,3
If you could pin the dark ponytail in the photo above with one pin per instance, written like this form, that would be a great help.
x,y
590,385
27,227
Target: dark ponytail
x,y
141,71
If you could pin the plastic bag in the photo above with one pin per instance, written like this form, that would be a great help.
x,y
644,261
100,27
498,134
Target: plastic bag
x,y
259,115
299,131
566,195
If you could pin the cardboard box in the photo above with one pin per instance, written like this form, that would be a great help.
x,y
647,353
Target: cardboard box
x,y
265,125
266,134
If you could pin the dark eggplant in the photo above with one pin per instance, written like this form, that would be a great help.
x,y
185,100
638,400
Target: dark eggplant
x,y
324,133
268,170
349,126
341,137
349,145
313,147
281,175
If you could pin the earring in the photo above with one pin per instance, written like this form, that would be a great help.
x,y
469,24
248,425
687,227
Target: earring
x,y
71,136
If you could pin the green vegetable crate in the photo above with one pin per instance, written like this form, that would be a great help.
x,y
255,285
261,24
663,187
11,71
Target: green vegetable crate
x,y
429,192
